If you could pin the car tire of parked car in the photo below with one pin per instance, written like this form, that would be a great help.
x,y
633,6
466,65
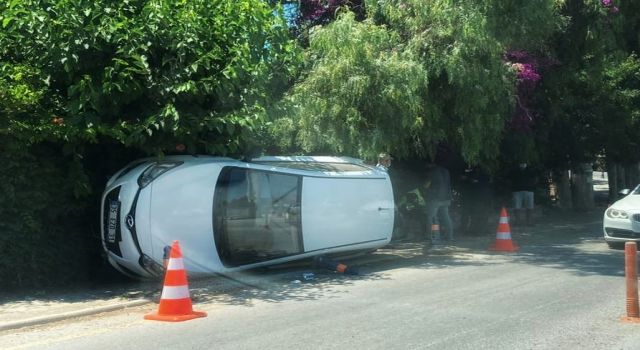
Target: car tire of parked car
x,y
616,245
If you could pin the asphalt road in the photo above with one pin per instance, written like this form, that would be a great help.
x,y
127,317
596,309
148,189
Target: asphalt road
x,y
564,289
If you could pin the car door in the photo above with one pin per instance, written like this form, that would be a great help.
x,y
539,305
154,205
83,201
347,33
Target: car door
x,y
341,211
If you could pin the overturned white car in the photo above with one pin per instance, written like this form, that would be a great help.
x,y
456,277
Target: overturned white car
x,y
230,215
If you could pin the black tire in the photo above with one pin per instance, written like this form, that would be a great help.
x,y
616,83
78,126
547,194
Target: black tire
x,y
616,245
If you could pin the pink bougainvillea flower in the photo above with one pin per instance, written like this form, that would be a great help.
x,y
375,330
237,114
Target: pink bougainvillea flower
x,y
606,3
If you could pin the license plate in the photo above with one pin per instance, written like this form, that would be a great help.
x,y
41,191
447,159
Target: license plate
x,y
113,221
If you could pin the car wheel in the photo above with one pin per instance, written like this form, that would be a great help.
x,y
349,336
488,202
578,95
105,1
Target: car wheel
x,y
616,245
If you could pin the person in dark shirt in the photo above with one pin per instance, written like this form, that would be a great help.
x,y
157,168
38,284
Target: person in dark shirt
x,y
523,184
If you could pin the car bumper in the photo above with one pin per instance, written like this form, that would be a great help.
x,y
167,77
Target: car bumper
x,y
619,235
119,233
621,230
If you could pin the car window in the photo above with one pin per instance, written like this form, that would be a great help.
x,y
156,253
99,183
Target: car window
x,y
256,216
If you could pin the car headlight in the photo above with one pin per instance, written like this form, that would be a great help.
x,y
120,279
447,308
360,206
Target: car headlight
x,y
151,266
154,171
617,214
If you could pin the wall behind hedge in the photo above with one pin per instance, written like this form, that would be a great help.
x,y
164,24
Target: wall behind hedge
x,y
49,214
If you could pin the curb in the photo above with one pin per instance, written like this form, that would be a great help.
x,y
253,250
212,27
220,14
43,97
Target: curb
x,y
66,315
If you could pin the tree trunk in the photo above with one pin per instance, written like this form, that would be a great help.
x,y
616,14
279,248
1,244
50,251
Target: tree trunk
x,y
632,175
612,174
620,178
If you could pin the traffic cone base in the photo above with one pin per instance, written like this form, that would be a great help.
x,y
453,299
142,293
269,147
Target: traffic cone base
x,y
175,301
503,235
504,246
627,319
175,318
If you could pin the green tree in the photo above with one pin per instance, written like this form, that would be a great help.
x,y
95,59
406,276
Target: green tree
x,y
358,86
414,75
148,73
590,96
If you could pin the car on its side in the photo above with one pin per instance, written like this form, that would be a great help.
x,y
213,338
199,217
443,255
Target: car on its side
x,y
621,221
230,215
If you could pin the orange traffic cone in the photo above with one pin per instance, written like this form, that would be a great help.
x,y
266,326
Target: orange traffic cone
x,y
330,264
175,301
503,236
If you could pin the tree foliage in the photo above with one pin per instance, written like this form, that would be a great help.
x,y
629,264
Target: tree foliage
x,y
359,86
414,75
148,74
590,96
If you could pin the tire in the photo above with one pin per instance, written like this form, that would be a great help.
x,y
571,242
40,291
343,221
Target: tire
x,y
616,245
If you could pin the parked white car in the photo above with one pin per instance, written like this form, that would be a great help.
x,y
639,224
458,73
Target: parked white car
x,y
230,215
622,219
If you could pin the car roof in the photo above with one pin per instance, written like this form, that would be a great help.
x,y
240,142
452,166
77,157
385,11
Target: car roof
x,y
341,166
315,163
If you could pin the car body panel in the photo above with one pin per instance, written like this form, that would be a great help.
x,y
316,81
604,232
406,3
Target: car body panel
x,y
181,209
143,221
125,245
360,207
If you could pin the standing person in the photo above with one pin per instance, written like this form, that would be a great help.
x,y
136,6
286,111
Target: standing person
x,y
523,183
437,188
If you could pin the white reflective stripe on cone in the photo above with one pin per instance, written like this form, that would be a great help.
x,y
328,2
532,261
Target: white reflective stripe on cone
x,y
175,292
175,264
504,220
503,235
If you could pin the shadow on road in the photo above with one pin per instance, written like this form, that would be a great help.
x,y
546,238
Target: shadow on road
x,y
566,241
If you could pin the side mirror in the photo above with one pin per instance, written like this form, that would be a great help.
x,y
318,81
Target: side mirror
x,y
624,192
